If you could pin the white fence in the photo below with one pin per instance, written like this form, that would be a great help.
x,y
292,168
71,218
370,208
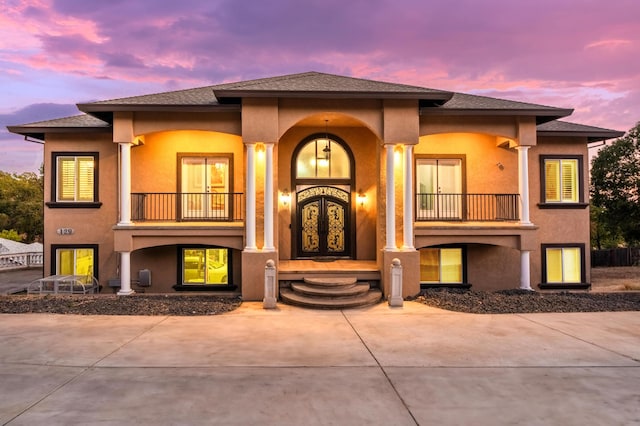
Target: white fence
x,y
20,260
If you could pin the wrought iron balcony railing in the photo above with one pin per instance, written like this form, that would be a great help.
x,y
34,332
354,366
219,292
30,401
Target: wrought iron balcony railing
x,y
181,206
467,207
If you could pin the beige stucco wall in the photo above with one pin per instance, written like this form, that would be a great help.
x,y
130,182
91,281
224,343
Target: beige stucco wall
x,y
559,225
154,165
492,267
90,225
482,158
162,261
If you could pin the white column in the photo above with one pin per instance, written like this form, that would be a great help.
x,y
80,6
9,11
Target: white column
x,y
125,274
407,205
525,270
250,221
523,183
268,201
125,183
391,201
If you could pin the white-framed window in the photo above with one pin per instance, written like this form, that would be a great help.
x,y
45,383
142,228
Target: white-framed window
x,y
561,180
439,188
563,264
440,265
75,177
205,186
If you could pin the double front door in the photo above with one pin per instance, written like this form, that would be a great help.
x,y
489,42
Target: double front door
x,y
323,220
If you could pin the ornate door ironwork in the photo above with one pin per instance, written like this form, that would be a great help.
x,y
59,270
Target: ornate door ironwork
x,y
323,218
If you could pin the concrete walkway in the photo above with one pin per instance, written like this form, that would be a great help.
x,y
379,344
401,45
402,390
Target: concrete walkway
x,y
18,280
290,366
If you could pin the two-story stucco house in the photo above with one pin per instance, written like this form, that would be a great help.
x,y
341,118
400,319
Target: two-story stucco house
x,y
327,176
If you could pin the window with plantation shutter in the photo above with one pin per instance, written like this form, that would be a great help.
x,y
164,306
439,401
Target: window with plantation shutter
x,y
552,180
75,178
569,180
561,180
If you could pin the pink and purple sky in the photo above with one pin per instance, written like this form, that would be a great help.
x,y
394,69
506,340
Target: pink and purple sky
x,y
581,54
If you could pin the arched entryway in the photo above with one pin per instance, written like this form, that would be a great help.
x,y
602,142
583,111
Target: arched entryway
x,y
322,172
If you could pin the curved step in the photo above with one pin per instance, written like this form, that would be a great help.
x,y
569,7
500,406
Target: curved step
x,y
320,291
371,297
331,281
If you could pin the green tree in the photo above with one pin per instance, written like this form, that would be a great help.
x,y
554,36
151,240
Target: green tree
x,y
615,188
10,234
21,199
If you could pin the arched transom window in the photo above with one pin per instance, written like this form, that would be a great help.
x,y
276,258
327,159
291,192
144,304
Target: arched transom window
x,y
323,158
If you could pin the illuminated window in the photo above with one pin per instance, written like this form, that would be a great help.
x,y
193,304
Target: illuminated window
x,y
75,178
563,264
441,265
562,178
70,260
323,158
205,266
439,184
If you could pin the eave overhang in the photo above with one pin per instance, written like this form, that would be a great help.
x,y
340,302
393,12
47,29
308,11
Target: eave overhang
x,y
541,115
590,135
105,111
39,132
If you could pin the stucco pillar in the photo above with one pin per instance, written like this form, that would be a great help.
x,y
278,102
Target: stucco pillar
x,y
407,205
391,203
268,200
125,183
523,183
250,220
525,270
125,274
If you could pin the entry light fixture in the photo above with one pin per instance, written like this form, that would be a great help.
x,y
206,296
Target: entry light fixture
x,y
325,154
260,151
285,197
362,198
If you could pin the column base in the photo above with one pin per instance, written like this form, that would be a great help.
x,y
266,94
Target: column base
x,y
125,292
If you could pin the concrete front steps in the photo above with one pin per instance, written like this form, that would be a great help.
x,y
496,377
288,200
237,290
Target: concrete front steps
x,y
330,293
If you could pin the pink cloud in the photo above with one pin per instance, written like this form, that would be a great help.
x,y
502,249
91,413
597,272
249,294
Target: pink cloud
x,y
570,53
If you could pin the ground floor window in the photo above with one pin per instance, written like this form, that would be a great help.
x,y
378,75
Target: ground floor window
x,y
75,260
205,266
440,265
563,264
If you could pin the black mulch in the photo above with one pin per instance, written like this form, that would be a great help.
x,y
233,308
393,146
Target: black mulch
x,y
137,304
523,301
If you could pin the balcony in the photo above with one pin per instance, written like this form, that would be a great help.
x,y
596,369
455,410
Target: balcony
x,y
179,207
467,207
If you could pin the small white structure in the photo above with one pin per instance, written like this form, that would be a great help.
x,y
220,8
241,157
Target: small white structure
x,y
16,255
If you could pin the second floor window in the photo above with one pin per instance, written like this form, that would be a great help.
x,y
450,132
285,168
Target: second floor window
x,y
75,177
562,180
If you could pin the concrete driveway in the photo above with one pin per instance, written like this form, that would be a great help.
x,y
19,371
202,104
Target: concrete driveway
x,y
291,366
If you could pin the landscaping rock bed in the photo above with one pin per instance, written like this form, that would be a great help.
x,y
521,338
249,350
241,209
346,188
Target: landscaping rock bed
x,y
138,304
523,301
478,302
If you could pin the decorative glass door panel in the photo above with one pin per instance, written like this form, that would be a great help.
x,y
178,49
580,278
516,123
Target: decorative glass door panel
x,y
205,188
323,214
439,187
